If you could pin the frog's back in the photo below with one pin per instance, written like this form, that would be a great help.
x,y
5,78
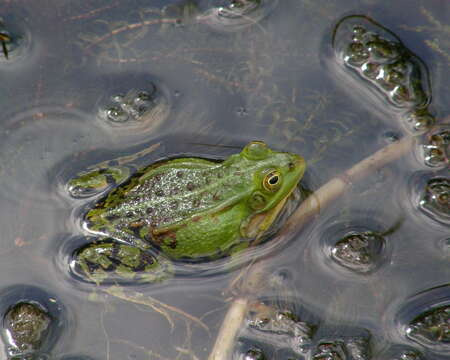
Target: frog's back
x,y
165,194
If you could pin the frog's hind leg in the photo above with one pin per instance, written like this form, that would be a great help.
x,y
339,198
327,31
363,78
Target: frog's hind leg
x,y
108,261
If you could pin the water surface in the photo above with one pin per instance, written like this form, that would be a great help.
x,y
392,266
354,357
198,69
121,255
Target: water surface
x,y
272,79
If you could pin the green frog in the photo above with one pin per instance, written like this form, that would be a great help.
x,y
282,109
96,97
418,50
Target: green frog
x,y
181,210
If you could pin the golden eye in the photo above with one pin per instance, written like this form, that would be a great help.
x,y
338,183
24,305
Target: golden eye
x,y
272,181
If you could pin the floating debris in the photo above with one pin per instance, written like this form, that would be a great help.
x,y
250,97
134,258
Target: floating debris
x,y
355,244
130,107
254,354
379,57
425,319
141,110
432,327
280,328
400,352
436,150
26,325
435,200
343,349
419,121
359,251
409,355
330,351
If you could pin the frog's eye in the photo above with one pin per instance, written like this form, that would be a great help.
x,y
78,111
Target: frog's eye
x,y
272,181
256,150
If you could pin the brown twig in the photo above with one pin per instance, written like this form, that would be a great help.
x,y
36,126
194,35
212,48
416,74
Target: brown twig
x,y
4,39
129,27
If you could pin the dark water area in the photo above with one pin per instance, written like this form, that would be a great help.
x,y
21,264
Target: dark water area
x,y
133,82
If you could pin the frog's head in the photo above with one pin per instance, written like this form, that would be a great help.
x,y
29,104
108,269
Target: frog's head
x,y
275,175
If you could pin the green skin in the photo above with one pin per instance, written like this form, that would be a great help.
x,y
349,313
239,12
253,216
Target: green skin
x,y
188,209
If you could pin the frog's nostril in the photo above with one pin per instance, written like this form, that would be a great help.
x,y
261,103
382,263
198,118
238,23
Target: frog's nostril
x,y
295,163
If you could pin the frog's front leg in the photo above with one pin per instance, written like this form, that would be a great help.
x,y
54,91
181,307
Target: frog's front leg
x,y
93,182
109,261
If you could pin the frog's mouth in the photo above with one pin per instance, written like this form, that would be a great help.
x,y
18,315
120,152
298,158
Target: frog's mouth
x,y
258,225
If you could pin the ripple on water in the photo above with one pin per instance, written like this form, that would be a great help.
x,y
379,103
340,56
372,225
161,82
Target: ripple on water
x,y
359,245
31,302
237,14
132,104
378,57
425,319
33,141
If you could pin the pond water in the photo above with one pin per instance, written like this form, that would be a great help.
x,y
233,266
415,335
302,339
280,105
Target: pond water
x,y
88,82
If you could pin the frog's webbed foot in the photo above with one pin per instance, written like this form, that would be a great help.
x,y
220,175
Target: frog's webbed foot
x,y
108,261
96,181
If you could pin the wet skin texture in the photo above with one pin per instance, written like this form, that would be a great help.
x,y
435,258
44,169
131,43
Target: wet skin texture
x,y
189,209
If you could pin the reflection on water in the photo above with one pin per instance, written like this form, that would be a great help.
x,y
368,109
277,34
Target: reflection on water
x,y
87,83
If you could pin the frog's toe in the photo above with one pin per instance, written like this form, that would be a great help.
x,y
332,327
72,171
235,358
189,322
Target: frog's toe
x,y
109,261
96,181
